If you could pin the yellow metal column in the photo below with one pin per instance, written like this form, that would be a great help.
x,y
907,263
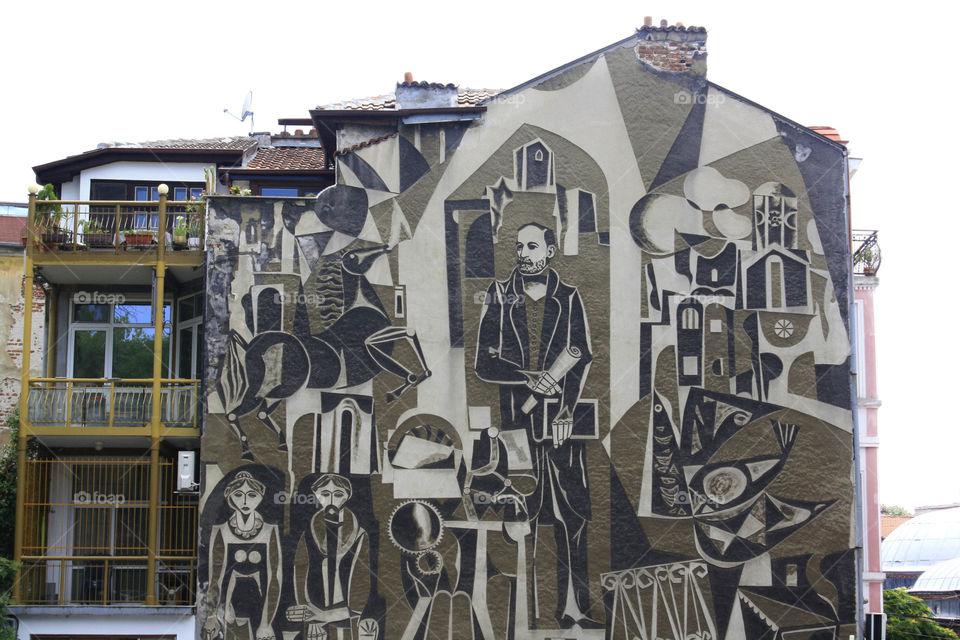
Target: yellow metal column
x,y
152,520
24,391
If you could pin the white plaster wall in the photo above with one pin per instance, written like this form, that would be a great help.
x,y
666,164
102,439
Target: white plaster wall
x,y
125,624
173,173
71,190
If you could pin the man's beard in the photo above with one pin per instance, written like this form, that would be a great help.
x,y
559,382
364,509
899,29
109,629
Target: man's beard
x,y
529,267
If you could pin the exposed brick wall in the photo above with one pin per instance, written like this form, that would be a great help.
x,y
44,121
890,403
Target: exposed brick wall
x,y
672,48
11,332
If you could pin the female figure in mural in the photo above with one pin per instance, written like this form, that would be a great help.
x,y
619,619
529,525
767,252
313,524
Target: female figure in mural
x,y
244,567
331,568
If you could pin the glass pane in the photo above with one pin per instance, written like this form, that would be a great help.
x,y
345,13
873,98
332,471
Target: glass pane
x,y
90,312
180,193
187,308
185,359
108,191
89,351
132,313
167,307
154,193
279,192
195,192
133,353
198,354
140,193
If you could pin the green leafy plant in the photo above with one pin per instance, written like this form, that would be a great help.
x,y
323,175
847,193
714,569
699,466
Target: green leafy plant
x,y
908,617
894,510
91,226
237,190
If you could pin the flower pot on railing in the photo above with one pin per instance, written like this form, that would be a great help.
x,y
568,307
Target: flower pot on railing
x,y
180,241
54,237
100,240
139,237
193,243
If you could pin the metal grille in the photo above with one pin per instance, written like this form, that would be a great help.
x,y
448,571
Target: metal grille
x,y
86,532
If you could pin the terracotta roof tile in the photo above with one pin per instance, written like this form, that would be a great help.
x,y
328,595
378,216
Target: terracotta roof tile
x,y
889,523
11,228
288,158
830,132
465,98
234,143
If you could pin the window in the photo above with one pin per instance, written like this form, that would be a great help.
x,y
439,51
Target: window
x,y
189,337
280,192
146,193
143,190
689,318
115,339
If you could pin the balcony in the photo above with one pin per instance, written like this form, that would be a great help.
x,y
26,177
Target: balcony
x,y
98,231
90,406
866,252
87,539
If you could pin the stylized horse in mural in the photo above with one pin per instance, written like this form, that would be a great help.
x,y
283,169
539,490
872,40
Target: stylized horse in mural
x,y
273,365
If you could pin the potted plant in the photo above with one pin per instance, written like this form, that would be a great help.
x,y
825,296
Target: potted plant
x,y
138,237
866,260
180,233
237,190
194,235
95,236
196,208
48,218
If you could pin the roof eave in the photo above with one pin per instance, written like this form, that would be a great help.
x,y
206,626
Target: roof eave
x,y
63,170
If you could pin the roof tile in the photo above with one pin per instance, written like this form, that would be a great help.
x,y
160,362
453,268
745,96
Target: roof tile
x,y
288,158
465,98
234,143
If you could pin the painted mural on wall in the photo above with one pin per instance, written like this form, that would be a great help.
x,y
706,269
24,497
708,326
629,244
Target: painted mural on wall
x,y
541,375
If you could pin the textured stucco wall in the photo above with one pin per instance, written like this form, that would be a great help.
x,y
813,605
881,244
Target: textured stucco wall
x,y
578,369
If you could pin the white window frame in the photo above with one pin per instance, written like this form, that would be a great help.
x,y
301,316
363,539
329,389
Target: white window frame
x,y
108,327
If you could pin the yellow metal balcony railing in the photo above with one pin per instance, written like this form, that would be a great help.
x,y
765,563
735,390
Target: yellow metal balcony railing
x,y
110,403
98,580
87,533
114,226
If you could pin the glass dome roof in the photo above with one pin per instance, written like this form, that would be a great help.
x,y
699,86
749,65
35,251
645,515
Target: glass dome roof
x,y
944,576
922,542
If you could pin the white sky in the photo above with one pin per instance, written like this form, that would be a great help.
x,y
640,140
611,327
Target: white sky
x,y
77,73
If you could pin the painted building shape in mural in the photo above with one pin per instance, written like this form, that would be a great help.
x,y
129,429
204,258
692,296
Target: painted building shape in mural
x,y
542,366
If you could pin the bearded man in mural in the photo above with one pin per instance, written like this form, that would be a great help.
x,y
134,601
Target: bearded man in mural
x,y
535,343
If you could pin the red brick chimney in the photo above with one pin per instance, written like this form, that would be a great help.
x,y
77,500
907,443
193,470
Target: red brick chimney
x,y
675,49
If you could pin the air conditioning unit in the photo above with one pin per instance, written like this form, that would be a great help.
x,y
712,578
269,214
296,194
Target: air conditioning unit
x,y
187,472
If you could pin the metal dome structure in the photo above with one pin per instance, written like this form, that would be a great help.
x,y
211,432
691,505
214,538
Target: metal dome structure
x,y
942,577
939,586
919,544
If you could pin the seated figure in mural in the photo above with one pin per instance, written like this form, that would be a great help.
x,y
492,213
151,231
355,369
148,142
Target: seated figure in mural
x,y
331,569
535,343
244,567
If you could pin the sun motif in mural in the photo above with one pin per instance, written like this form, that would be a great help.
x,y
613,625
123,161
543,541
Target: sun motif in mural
x,y
774,218
783,328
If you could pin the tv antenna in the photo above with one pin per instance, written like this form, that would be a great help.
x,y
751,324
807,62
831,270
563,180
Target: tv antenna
x,y
244,110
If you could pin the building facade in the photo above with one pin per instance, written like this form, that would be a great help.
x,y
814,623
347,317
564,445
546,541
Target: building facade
x,y
570,363
571,360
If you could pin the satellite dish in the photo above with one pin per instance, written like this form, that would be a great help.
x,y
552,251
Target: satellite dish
x,y
244,110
